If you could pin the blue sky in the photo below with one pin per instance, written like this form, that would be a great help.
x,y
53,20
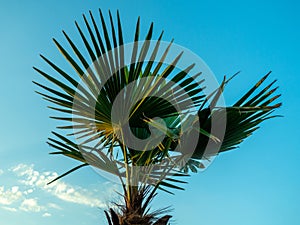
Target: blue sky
x,y
256,184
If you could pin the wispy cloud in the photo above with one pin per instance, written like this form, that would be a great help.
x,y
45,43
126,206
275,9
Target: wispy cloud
x,y
53,206
47,215
31,205
25,196
1,172
59,189
7,197
11,209
14,195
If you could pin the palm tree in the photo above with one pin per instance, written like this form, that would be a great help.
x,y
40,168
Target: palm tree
x,y
110,108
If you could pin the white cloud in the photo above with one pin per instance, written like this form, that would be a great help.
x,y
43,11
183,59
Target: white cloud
x,y
9,209
1,172
25,197
47,214
15,189
7,197
81,196
29,191
31,205
59,189
27,171
54,206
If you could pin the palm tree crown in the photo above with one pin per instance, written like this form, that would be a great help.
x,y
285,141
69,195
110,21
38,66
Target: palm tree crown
x,y
129,114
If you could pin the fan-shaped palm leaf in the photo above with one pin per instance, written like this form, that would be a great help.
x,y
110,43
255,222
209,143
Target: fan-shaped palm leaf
x,y
85,101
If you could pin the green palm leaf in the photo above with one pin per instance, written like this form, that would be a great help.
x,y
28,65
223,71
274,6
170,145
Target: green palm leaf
x,y
85,99
242,119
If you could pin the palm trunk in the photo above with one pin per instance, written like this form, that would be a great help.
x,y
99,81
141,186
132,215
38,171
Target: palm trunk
x,y
133,210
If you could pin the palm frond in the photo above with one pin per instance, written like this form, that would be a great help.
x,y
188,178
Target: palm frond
x,y
242,119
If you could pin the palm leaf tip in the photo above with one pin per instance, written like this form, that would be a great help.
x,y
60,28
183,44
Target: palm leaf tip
x,y
242,119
